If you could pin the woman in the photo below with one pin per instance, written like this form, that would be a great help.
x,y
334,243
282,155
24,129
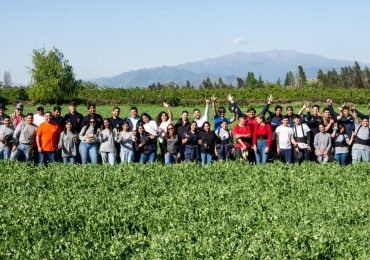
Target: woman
x,y
146,144
88,146
207,139
171,145
125,138
322,144
163,120
262,139
190,141
224,142
341,143
107,138
68,144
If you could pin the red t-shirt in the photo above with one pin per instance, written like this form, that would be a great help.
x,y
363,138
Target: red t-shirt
x,y
262,131
49,134
242,130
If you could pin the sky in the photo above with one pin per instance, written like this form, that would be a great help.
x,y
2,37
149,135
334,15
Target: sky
x,y
106,38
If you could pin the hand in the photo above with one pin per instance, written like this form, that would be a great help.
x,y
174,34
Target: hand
x,y
200,142
331,121
207,101
277,150
255,148
39,149
14,148
213,99
353,134
329,101
60,147
2,139
269,101
186,136
325,153
309,148
267,150
165,104
178,156
244,147
353,107
230,98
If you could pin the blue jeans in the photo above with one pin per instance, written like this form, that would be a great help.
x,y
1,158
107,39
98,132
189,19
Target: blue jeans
x,y
23,151
342,158
261,156
190,153
50,156
148,157
127,156
88,152
69,159
206,158
4,153
169,159
286,155
108,157
358,155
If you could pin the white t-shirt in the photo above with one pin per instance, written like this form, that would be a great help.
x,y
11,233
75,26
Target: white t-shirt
x,y
151,127
163,126
285,134
133,123
299,133
204,118
37,119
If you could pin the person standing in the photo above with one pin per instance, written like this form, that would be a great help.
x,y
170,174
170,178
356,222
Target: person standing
x,y
322,144
107,137
190,143
220,115
68,144
133,119
262,139
88,147
6,138
126,139
224,142
361,144
91,107
146,144
47,135
242,133
341,143
39,117
163,120
172,145
74,117
285,140
198,118
17,117
302,135
207,139
25,136
2,112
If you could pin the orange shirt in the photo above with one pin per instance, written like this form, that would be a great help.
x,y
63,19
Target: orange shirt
x,y
48,134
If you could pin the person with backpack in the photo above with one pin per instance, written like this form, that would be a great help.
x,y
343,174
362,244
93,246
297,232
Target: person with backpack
x,y
206,143
341,143
302,136
88,147
68,144
6,138
361,143
224,142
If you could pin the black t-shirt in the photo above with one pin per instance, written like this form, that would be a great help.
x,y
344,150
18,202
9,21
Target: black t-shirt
x,y
98,119
76,121
116,123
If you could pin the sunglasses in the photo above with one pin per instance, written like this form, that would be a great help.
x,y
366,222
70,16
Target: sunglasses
x,y
91,122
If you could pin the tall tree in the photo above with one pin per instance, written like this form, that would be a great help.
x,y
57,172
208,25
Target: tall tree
x,y
301,79
251,80
366,77
289,79
357,80
240,82
52,77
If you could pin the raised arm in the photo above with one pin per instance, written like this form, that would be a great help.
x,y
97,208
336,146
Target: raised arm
x,y
213,100
206,111
234,106
330,106
170,114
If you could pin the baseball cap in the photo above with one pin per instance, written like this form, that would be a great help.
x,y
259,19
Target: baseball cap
x,y
19,106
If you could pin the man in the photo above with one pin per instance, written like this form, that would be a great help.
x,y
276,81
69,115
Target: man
x,y
115,120
57,111
6,138
302,135
183,125
198,118
322,144
313,120
360,114
47,135
25,135
328,121
361,144
219,116
74,117
133,119
91,107
17,117
284,141
2,112
343,117
243,134
39,117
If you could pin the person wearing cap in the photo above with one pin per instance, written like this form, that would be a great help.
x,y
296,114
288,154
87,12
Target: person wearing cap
x,y
91,107
47,135
74,117
219,116
2,112
17,117
25,136
39,117
6,138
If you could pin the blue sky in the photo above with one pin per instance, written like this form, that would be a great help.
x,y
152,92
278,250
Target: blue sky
x,y
105,38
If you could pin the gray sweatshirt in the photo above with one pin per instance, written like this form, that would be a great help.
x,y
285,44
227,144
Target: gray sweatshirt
x,y
107,138
364,134
7,133
125,139
68,143
322,142
25,133
84,132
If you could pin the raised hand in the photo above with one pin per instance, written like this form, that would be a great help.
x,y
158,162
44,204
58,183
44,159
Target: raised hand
x,y
207,101
213,99
270,100
230,98
329,101
165,104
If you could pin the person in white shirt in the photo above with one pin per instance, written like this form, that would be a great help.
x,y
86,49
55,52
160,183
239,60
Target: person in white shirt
x,y
133,119
302,135
198,118
284,141
163,120
39,117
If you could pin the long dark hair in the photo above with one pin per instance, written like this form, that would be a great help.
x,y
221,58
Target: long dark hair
x,y
65,127
110,125
147,115
174,130
159,117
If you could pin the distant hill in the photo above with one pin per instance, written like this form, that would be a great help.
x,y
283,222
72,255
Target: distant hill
x,y
271,65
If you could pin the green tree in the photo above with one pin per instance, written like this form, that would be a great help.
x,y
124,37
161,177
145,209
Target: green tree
x,y
301,80
289,79
53,79
357,80
366,77
240,83
251,80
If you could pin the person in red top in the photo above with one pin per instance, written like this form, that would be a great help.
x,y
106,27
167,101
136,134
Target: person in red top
x,y
262,139
47,135
242,133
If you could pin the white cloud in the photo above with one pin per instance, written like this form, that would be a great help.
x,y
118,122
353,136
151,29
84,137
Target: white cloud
x,y
239,40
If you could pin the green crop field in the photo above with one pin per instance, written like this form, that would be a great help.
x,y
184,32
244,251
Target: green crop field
x,y
224,210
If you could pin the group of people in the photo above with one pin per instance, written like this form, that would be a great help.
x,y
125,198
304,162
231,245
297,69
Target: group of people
x,y
48,137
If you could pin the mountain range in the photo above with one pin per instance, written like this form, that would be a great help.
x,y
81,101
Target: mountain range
x,y
271,65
